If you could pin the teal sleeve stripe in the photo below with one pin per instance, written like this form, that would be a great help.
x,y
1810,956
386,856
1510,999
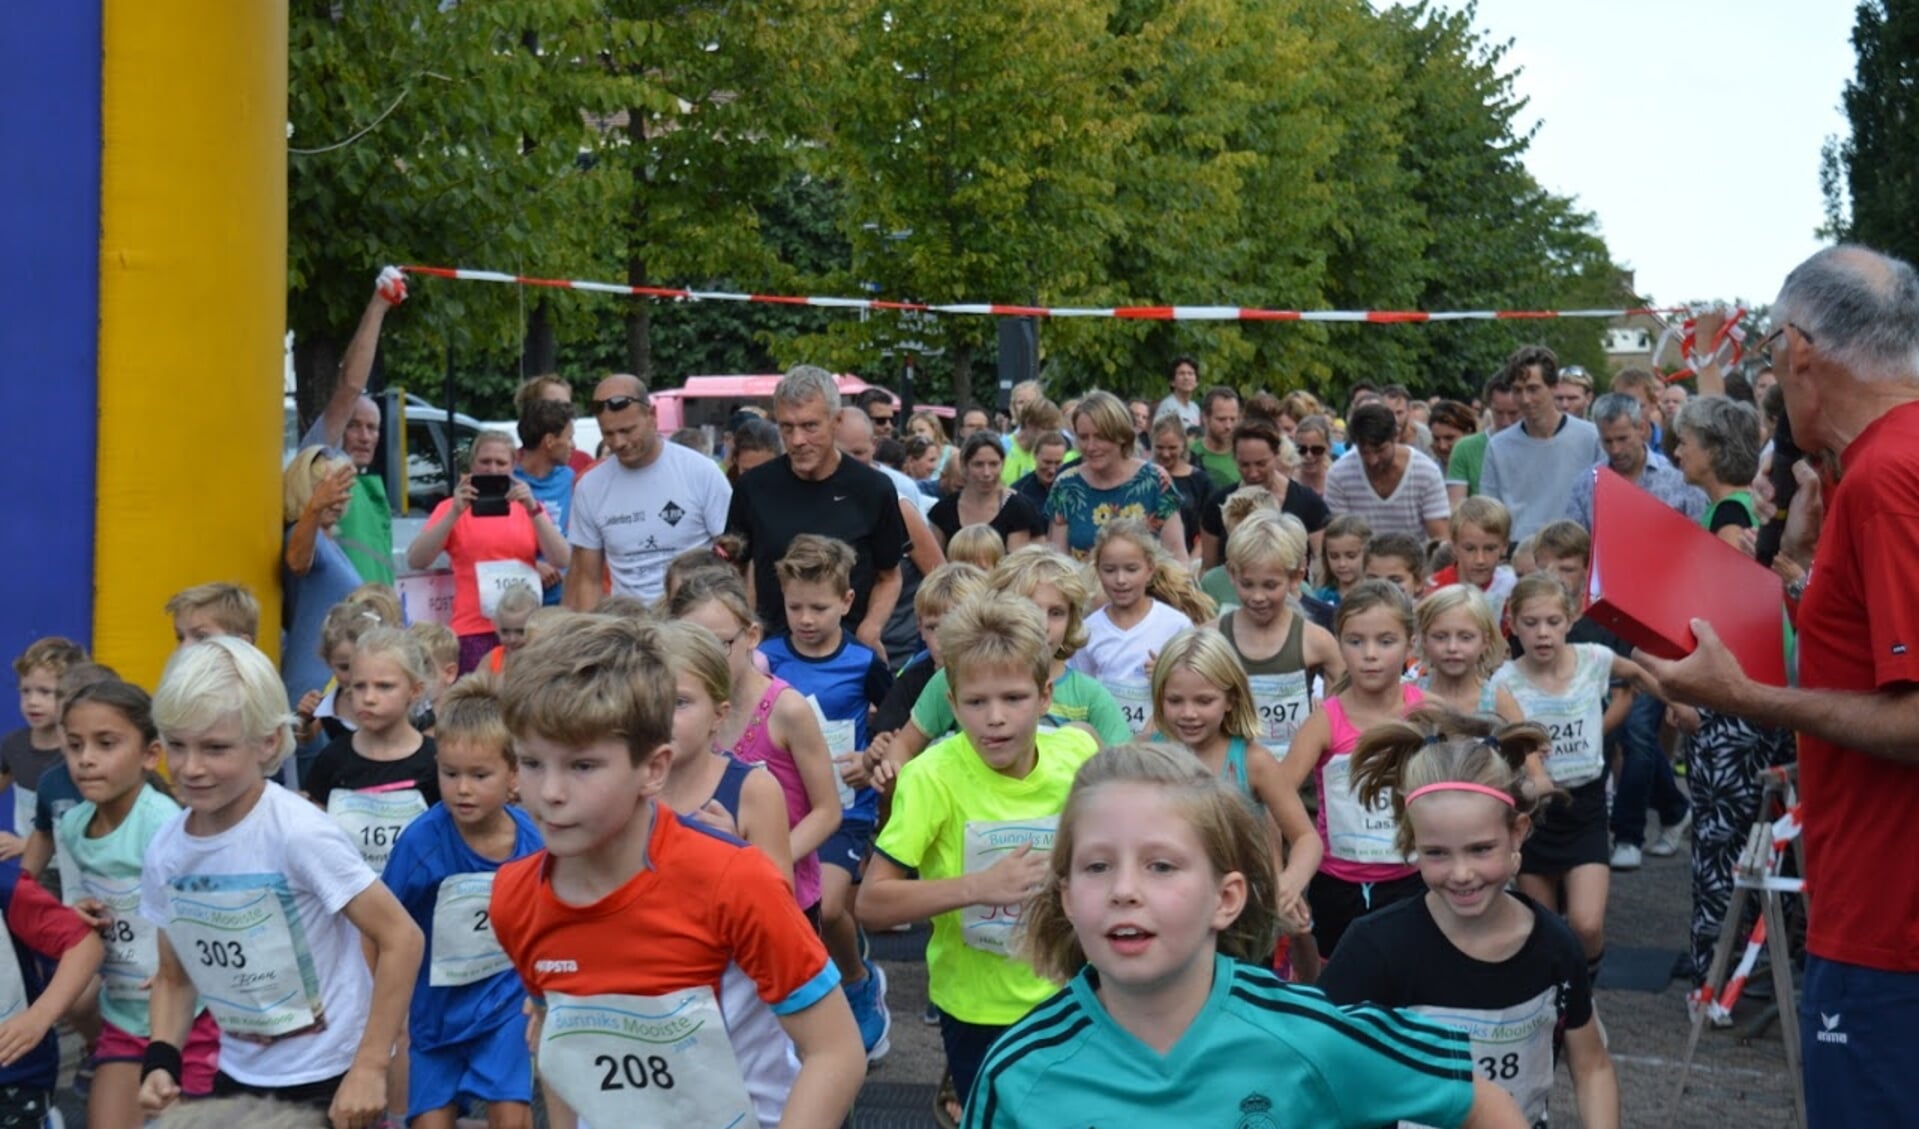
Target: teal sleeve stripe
x,y
811,992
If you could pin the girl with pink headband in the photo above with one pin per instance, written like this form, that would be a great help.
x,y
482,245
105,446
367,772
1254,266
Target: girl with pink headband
x,y
1473,953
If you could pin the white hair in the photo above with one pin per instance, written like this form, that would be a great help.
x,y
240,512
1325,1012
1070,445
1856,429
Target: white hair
x,y
804,384
1860,307
220,677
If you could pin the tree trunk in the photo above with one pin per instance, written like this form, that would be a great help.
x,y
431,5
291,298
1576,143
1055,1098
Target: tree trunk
x,y
962,375
316,365
639,312
542,352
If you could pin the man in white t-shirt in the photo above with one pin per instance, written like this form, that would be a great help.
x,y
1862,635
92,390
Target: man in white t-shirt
x,y
648,503
1385,483
1180,402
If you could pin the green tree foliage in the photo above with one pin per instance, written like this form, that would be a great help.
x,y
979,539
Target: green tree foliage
x,y
1280,153
1870,178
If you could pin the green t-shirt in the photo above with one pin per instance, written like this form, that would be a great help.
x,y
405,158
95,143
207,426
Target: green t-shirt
x,y
1076,697
366,530
1218,584
109,868
1222,469
1469,455
952,815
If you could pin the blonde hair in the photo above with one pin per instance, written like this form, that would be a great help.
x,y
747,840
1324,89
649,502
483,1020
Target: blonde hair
x,y
382,598
1170,583
243,1112
233,608
813,559
56,653
1206,653
345,622
394,643
1024,570
992,629
695,651
622,606
222,677
1244,503
1111,419
946,586
726,553
1268,538
484,438
303,472
1538,585
1484,512
977,544
1435,745
469,713
1466,598
517,600
609,679
554,621
1236,841
939,429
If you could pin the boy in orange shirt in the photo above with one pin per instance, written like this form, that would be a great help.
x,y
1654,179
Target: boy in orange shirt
x,y
674,976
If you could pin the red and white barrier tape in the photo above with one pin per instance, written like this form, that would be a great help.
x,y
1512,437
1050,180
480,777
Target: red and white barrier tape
x,y
995,309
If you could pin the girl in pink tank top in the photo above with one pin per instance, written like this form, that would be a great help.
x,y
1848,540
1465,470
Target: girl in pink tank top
x,y
781,731
1362,870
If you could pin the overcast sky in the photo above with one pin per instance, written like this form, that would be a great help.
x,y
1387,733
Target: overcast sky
x,y
1627,93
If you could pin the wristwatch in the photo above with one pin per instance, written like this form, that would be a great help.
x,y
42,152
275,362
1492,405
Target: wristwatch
x,y
1797,589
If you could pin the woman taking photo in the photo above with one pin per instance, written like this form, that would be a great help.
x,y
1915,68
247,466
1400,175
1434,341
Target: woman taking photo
x,y
985,499
1195,486
315,573
1108,483
489,554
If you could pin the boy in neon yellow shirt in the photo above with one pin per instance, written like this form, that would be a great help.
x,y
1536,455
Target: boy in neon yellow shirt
x,y
974,816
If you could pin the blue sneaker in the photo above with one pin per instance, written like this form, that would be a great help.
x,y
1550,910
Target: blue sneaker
x,y
868,1001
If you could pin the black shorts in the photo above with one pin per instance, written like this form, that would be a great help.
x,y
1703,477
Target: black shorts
x,y
1568,832
313,1095
1338,903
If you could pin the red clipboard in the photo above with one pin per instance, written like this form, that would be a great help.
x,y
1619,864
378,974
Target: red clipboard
x,y
1655,570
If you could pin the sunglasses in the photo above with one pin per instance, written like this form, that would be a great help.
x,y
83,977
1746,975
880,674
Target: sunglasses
x,y
615,404
1312,451
882,419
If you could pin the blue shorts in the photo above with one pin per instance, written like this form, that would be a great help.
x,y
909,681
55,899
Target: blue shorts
x,y
1856,1042
846,847
492,1067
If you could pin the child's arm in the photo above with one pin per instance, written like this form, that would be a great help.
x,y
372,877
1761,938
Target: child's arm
x,y
888,897
763,820
1303,755
37,848
1493,1108
395,944
1626,670
1507,707
832,1064
53,931
1295,830
907,742
1595,1085
797,730
1322,652
169,1017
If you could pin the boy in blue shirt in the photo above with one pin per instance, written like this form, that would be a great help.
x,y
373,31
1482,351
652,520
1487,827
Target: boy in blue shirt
x,y
468,1034
845,682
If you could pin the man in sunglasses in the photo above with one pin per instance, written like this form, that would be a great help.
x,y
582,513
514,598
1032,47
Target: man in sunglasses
x,y
646,504
351,422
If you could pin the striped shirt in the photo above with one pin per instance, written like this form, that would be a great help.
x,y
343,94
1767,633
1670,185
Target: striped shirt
x,y
1419,498
1258,1045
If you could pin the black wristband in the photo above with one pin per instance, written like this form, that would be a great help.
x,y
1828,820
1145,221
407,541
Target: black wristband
x,y
160,1056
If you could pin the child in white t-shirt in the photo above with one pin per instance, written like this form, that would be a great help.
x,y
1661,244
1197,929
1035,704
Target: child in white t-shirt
x,y
1149,599
261,903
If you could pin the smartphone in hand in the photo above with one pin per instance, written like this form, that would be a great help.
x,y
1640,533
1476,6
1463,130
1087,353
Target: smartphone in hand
x,y
491,490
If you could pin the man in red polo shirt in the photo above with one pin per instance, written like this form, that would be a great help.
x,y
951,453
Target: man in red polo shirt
x,y
1846,350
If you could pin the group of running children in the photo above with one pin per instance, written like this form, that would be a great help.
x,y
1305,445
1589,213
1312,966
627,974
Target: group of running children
x,y
633,855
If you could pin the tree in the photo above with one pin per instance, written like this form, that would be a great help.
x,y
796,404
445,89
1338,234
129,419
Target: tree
x,y
1869,180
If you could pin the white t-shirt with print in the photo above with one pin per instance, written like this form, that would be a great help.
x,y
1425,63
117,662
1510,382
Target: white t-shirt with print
x,y
289,850
1118,658
642,519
